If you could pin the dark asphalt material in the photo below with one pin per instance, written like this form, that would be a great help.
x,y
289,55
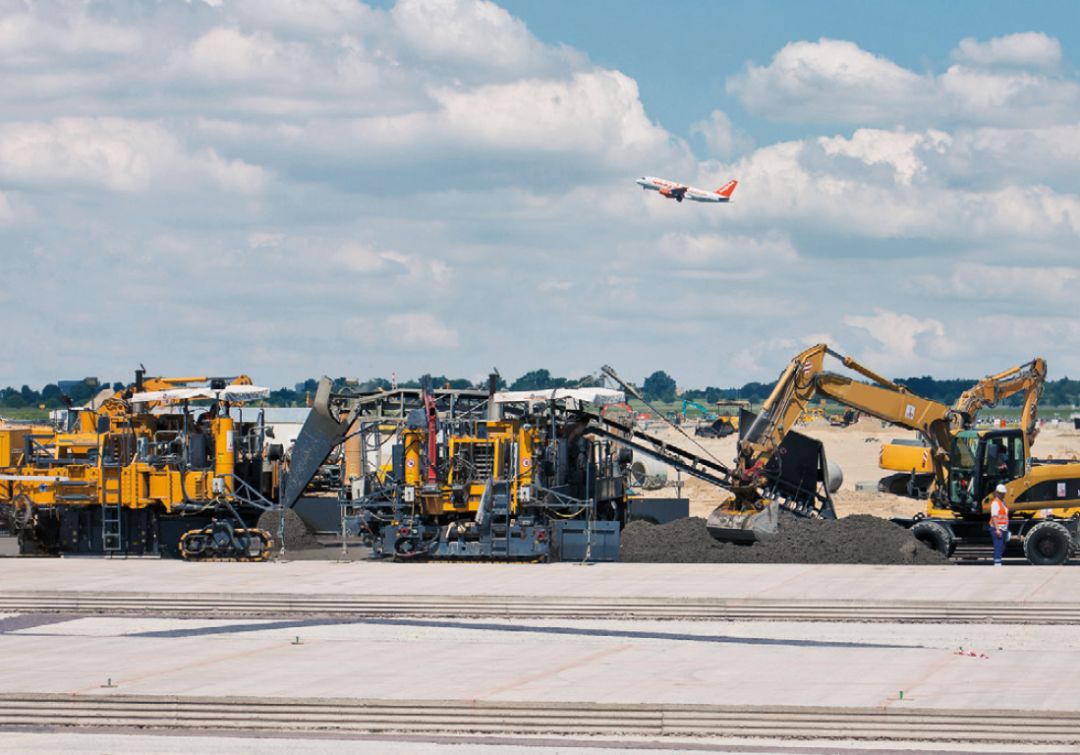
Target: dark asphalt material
x,y
857,539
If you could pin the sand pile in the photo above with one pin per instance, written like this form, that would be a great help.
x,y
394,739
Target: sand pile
x,y
857,539
297,534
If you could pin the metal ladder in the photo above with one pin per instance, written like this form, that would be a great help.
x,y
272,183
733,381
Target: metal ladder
x,y
112,540
500,519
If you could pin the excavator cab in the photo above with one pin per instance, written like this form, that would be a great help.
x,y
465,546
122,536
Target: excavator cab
x,y
1002,458
979,461
964,471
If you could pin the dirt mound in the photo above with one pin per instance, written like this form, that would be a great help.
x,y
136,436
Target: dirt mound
x,y
296,534
856,539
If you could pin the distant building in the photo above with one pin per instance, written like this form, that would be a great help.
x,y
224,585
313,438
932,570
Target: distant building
x,y
66,385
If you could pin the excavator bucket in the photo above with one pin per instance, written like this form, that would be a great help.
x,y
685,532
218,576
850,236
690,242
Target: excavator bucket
x,y
797,478
732,526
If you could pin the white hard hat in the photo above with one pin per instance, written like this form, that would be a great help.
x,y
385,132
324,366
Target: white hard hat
x,y
1000,489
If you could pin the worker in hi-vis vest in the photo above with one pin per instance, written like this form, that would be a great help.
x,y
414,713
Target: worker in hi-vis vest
x,y
999,523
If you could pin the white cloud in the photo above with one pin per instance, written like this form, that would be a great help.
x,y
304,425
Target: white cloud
x,y
902,340
828,80
113,153
710,249
890,184
7,212
594,111
902,151
836,81
472,31
992,97
1023,49
721,138
29,38
979,281
421,329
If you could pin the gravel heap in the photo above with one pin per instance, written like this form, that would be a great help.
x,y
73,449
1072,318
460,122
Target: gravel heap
x,y
297,534
858,539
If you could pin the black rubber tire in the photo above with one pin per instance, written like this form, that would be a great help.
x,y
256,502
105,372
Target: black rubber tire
x,y
935,535
1048,544
894,484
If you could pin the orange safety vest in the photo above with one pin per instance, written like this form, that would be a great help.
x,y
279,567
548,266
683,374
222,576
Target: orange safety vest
x,y
1001,518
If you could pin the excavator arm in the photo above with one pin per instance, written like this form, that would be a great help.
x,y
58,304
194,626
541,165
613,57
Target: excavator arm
x,y
804,379
1026,378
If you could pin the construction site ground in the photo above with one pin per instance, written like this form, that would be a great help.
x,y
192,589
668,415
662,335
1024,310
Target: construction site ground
x,y
956,642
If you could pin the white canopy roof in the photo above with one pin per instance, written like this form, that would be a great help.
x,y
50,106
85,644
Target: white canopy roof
x,y
597,396
234,394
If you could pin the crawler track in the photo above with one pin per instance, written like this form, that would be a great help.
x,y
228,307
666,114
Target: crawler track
x,y
464,718
280,605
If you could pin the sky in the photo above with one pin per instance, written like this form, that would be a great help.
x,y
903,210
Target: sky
x,y
288,188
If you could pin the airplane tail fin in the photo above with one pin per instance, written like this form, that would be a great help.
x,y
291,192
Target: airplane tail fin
x,y
727,189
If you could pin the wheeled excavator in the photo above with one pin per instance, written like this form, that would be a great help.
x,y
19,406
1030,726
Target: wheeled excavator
x,y
911,459
1043,498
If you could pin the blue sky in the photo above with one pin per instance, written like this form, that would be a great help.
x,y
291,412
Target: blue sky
x,y
289,188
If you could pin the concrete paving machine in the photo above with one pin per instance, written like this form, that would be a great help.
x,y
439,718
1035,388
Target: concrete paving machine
x,y
166,466
502,475
1043,497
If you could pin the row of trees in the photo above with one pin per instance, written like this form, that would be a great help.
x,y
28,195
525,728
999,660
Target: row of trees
x,y
659,386
53,395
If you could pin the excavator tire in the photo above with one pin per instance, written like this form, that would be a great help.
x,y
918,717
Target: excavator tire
x,y
934,535
1048,544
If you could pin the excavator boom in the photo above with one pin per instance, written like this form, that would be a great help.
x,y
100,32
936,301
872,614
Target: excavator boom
x,y
1026,378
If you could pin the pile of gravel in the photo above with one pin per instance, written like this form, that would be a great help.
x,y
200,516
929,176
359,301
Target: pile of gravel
x,y
859,539
297,534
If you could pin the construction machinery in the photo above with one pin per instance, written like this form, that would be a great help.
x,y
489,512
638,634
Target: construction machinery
x,y
166,466
910,459
491,475
1043,497
706,413
726,420
846,418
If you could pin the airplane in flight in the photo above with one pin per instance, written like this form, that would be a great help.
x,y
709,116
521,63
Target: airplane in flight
x,y
679,192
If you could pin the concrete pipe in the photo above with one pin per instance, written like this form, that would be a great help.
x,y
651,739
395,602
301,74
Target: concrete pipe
x,y
834,477
648,473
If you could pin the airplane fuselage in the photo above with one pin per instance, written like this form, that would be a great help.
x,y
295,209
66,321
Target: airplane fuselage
x,y
679,192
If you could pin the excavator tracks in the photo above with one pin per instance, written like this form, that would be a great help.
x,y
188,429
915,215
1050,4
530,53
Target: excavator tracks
x,y
215,543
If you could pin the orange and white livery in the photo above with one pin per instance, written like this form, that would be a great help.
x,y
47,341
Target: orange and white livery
x,y
679,192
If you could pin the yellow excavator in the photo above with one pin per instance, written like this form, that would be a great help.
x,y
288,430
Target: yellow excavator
x,y
1043,498
910,459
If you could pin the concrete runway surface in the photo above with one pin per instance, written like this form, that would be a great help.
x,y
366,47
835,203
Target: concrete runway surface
x,y
728,676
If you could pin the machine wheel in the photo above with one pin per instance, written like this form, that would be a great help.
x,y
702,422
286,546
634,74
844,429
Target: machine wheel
x,y
934,535
1048,544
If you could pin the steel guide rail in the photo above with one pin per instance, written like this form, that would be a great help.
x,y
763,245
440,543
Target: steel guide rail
x,y
270,605
442,717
